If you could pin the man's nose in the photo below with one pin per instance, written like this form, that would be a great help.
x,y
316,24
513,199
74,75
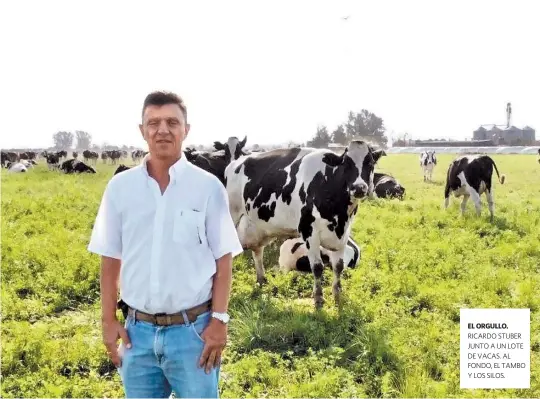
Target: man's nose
x,y
163,128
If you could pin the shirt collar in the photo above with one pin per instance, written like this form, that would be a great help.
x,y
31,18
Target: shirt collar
x,y
174,171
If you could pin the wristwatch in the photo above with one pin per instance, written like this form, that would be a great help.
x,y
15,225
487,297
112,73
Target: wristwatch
x,y
223,317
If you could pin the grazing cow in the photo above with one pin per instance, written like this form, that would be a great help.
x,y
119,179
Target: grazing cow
x,y
75,166
300,192
293,255
428,160
62,154
137,156
53,161
470,176
121,168
90,156
387,186
539,155
17,167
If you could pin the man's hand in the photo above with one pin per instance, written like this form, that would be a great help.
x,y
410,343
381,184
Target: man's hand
x,y
112,330
215,339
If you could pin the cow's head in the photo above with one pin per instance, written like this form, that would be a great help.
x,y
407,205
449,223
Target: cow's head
x,y
233,148
358,163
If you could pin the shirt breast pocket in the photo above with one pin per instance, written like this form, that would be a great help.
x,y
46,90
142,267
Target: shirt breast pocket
x,y
189,228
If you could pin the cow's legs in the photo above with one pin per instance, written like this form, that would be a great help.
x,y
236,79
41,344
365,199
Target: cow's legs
x,y
315,261
258,255
476,199
464,203
336,259
489,196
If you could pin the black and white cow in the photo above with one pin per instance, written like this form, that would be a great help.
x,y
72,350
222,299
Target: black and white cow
x,y
387,186
293,255
53,161
215,162
75,166
470,176
233,148
539,155
428,161
308,193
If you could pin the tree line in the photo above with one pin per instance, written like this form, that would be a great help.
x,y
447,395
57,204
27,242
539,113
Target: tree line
x,y
364,124
64,140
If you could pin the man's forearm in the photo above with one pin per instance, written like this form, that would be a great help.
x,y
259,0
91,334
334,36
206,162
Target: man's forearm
x,y
110,274
222,284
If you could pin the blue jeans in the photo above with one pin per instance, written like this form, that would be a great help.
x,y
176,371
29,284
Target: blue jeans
x,y
163,359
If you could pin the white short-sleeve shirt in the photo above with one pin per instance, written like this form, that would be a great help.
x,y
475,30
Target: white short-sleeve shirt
x,y
168,244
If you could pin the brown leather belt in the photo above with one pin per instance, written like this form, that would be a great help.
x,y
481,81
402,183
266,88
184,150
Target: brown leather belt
x,y
164,319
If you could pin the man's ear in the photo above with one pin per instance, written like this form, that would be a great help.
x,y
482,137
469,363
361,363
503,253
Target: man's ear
x,y
188,126
142,130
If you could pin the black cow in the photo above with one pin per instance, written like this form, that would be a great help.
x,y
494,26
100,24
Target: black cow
x,y
305,193
121,168
75,166
387,186
470,176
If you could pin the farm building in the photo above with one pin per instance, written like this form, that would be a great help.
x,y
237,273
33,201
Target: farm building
x,y
503,135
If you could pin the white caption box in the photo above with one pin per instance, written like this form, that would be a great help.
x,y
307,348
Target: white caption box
x,y
495,348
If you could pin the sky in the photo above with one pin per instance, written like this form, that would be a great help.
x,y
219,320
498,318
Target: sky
x,y
271,70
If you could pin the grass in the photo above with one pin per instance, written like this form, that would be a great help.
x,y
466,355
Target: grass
x,y
396,336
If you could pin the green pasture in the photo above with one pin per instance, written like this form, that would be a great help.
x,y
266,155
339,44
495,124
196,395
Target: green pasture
x,y
397,334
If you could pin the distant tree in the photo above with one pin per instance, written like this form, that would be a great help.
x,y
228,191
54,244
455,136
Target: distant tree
x,y
366,124
84,139
63,140
321,139
339,136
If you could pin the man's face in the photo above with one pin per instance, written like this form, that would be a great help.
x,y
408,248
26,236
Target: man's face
x,y
164,129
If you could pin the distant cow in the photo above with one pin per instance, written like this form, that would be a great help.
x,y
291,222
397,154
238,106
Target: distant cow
x,y
75,166
121,168
17,167
90,156
387,186
305,193
53,161
428,160
470,176
293,255
539,155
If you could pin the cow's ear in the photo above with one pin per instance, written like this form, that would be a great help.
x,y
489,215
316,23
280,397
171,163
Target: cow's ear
x,y
333,160
243,142
218,146
377,154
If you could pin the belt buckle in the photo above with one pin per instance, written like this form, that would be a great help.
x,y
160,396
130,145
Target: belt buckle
x,y
156,315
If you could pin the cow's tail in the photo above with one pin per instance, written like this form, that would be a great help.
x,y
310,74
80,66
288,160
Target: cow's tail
x,y
502,178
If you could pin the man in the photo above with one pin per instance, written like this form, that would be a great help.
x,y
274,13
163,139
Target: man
x,y
164,232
